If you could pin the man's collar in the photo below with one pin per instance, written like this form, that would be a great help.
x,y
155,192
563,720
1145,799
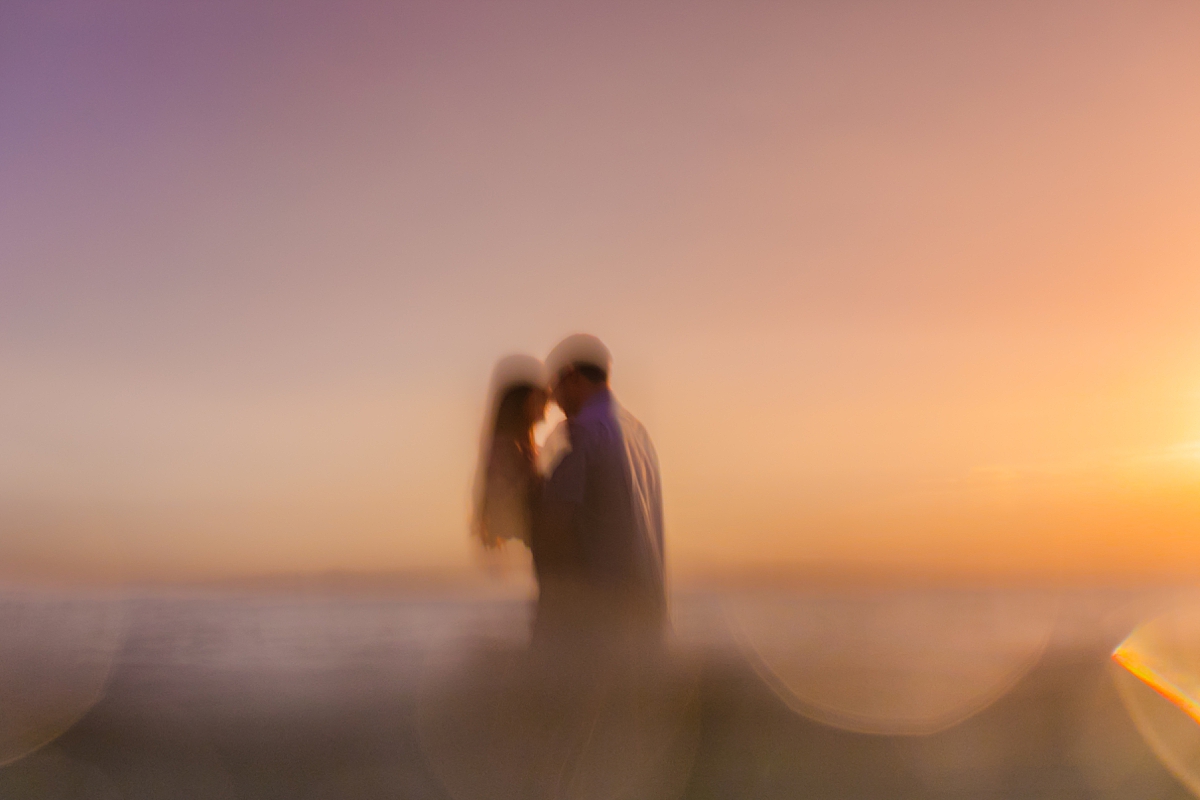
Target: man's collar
x,y
597,403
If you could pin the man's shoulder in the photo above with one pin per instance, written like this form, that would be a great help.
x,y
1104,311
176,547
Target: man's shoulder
x,y
637,439
631,425
610,427
629,422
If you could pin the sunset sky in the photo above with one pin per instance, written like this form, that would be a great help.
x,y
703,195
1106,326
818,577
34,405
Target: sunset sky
x,y
898,288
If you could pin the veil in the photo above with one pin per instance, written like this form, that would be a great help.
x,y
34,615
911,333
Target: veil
x,y
510,372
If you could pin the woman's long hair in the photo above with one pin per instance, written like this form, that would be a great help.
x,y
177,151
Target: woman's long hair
x,y
514,378
510,415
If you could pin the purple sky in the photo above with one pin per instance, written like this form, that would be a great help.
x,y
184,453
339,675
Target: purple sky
x,y
258,259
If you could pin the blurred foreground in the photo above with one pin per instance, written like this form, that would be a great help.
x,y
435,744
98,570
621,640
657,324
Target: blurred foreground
x,y
766,694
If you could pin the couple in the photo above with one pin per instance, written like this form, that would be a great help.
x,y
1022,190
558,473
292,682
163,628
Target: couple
x,y
588,504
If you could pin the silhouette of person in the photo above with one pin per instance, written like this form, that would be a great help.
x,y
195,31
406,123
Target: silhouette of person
x,y
507,481
597,538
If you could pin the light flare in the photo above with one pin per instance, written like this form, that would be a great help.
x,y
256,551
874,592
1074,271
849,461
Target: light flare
x,y
1147,672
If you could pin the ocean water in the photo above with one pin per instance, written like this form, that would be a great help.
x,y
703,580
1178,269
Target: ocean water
x,y
760,694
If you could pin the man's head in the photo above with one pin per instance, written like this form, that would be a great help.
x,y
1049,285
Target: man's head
x,y
578,368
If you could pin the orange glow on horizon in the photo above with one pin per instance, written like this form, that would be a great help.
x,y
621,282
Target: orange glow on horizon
x,y
901,291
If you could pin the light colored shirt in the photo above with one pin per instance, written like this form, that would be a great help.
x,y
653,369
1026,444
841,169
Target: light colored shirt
x,y
611,476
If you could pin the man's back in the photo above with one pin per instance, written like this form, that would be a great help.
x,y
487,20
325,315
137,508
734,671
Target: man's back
x,y
610,483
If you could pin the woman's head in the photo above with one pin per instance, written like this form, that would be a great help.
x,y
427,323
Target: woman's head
x,y
516,402
517,395
519,409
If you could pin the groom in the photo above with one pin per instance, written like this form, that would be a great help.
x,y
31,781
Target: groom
x,y
598,534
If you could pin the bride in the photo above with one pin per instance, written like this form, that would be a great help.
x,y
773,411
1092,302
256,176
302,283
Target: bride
x,y
508,484
507,479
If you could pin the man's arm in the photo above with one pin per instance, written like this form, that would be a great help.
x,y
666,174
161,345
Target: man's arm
x,y
555,544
